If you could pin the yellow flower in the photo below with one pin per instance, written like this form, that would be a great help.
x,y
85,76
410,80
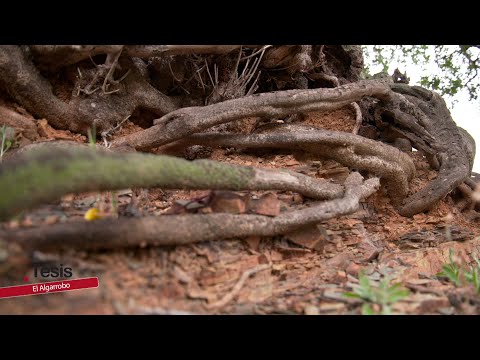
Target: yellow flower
x,y
92,214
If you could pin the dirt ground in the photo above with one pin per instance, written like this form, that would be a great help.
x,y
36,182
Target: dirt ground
x,y
309,271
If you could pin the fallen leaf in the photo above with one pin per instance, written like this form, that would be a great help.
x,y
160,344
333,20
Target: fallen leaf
x,y
52,219
291,162
196,293
312,237
311,310
268,205
253,242
228,202
331,307
353,269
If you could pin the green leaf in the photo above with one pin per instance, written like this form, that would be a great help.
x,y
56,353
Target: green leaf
x,y
477,261
451,272
397,295
386,310
352,295
472,277
364,281
368,310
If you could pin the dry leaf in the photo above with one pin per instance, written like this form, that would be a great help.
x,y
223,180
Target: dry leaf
x,y
268,205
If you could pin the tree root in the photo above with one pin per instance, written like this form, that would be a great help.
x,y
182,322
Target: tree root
x,y
25,84
385,161
186,121
423,117
57,56
47,174
358,118
187,229
415,113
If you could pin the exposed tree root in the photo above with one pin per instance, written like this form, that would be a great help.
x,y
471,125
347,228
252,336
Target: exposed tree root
x,y
187,229
47,174
411,112
423,117
57,56
358,118
354,151
186,121
25,84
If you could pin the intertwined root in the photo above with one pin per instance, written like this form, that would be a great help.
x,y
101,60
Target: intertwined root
x,y
175,230
410,112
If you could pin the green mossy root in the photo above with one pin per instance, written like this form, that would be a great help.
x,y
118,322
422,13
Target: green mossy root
x,y
47,174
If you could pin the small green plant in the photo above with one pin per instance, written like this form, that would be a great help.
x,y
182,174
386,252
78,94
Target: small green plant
x,y
461,276
382,294
451,270
92,136
6,144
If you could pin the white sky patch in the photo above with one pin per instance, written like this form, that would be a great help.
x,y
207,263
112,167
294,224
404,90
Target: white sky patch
x,y
465,113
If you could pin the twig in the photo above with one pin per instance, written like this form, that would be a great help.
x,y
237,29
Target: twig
x,y
238,286
110,132
210,75
251,73
171,72
112,64
423,289
261,50
197,72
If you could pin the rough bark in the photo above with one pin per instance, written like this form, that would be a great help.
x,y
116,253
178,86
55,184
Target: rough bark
x,y
57,56
26,85
179,229
47,174
356,152
410,112
423,117
186,121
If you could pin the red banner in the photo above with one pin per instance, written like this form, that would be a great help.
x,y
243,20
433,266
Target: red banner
x,y
48,287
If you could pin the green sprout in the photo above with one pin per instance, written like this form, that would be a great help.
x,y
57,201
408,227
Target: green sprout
x,y
383,294
461,276
6,143
473,276
451,270
92,136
